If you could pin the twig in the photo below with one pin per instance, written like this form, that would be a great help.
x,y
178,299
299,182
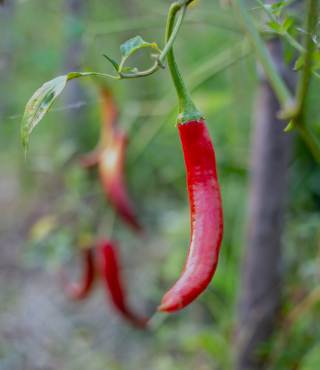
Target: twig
x,y
277,83
312,298
304,81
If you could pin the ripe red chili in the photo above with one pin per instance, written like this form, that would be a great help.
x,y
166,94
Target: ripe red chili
x,y
204,194
206,217
81,289
110,268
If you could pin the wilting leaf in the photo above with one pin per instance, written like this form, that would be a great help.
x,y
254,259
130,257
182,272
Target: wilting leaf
x,y
39,104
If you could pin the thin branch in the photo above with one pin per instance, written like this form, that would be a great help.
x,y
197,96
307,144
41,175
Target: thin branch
x,y
304,81
310,140
277,83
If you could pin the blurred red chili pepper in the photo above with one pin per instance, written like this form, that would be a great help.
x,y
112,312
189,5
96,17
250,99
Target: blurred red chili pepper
x,y
111,272
109,112
110,156
109,116
111,170
81,289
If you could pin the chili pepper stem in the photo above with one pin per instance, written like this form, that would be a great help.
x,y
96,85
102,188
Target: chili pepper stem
x,y
187,109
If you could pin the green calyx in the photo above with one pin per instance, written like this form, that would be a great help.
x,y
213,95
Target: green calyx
x,y
188,115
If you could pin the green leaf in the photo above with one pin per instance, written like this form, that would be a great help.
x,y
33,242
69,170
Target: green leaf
x,y
277,7
112,61
299,63
38,106
275,26
289,127
288,22
133,45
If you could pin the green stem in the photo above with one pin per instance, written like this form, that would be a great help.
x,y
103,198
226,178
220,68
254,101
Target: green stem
x,y
187,109
73,75
171,36
310,140
304,81
277,83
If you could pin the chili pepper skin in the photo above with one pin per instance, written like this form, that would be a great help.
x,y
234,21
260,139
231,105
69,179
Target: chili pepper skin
x,y
80,290
111,170
110,269
109,115
109,111
206,217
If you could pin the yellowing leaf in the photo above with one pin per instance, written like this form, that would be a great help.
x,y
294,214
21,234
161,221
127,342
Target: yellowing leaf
x,y
39,104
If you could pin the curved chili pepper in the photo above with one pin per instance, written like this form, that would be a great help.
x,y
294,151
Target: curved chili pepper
x,y
80,290
203,189
111,170
109,115
110,267
109,155
206,217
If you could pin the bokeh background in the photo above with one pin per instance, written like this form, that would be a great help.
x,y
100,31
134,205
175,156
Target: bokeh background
x,y
48,202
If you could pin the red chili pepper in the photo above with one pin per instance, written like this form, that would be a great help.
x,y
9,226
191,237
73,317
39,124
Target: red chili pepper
x,y
109,111
109,115
111,170
110,157
80,290
206,217
204,193
110,268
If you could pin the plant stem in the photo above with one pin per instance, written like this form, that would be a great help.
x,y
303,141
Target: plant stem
x,y
310,140
73,75
277,83
187,109
304,81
